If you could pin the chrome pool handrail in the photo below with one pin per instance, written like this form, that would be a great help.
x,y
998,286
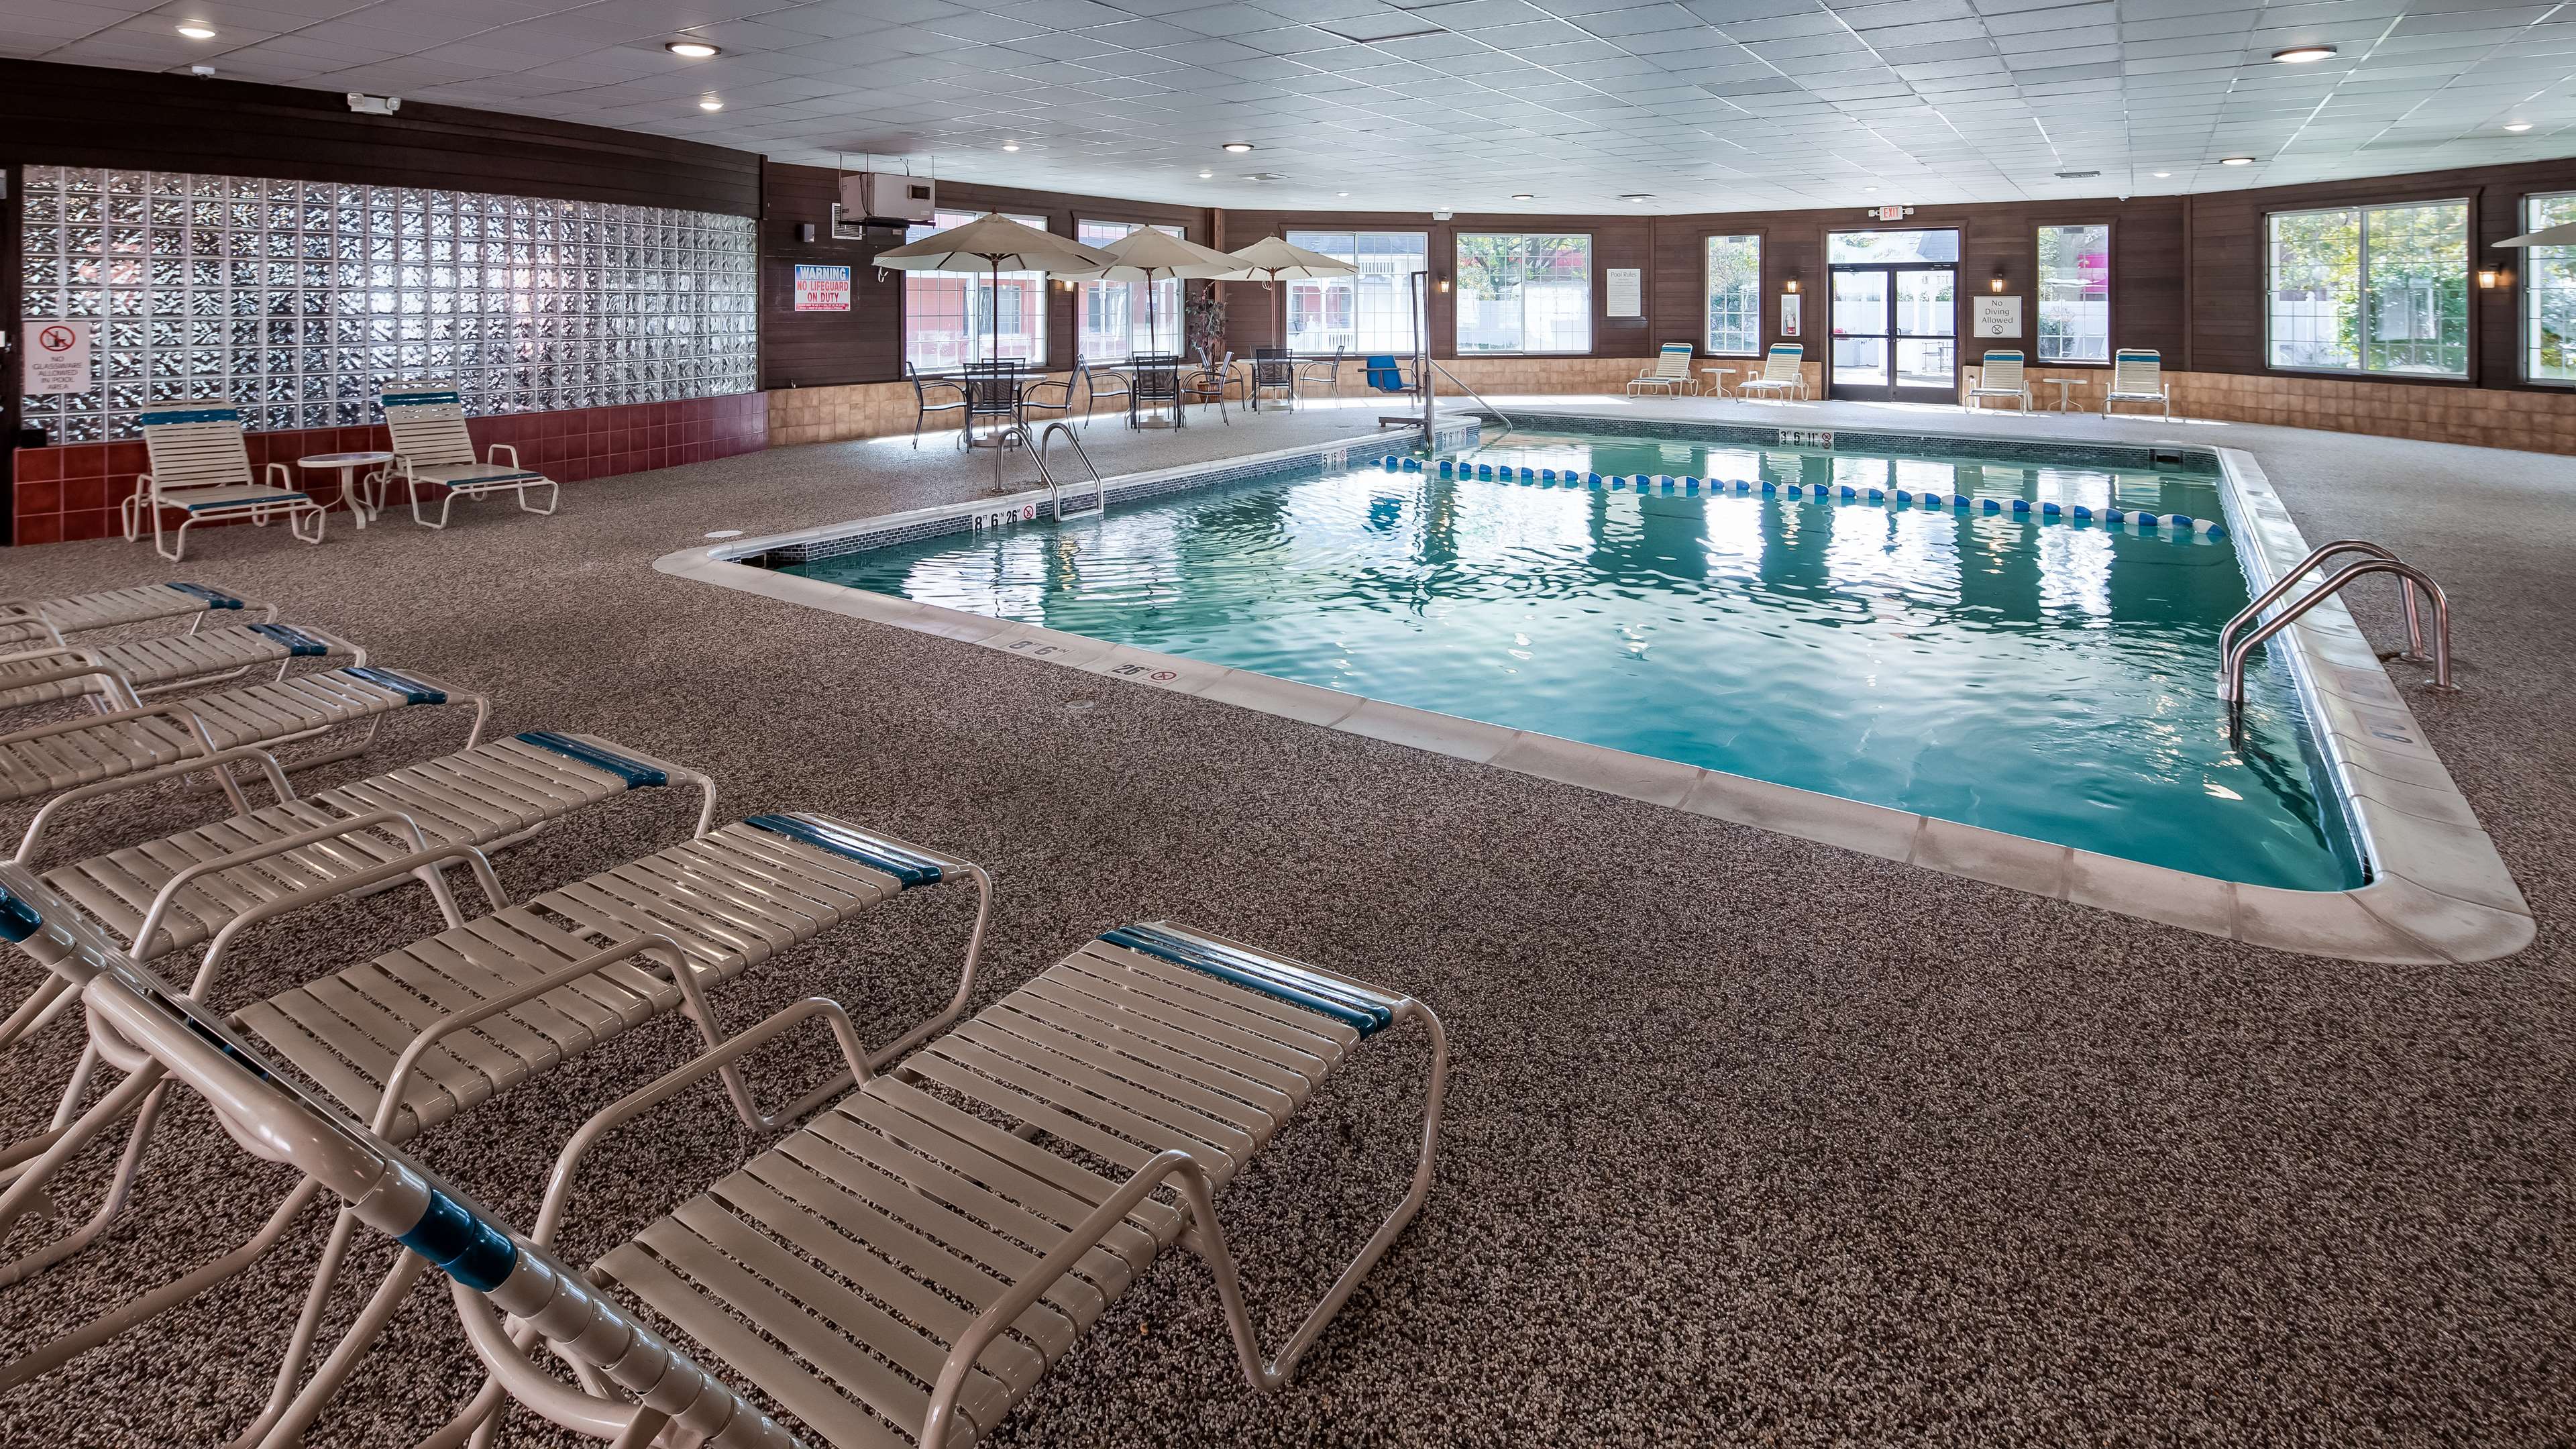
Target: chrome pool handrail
x,y
2232,689
1055,490
2414,622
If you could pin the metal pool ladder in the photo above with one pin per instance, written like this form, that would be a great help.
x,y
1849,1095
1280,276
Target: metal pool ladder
x,y
1055,490
2376,560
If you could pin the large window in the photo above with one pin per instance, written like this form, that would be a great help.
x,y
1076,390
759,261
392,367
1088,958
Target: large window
x,y
2549,294
1371,312
1520,292
2075,293
1114,319
1734,296
2371,289
951,318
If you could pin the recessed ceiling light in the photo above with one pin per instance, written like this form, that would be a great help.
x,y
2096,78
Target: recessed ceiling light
x,y
692,49
711,104
1869,188
2517,125
1204,175
2236,161
1341,193
2303,54
1238,147
1524,196
1010,145
2161,175
196,30
1637,196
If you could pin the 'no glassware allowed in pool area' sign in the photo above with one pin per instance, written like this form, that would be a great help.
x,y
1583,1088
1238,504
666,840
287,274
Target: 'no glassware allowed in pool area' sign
x,y
57,357
822,289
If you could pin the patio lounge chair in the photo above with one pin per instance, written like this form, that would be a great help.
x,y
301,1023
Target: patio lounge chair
x,y
2137,376
201,470
420,1034
951,391
902,1262
432,447
1999,375
1784,373
122,674
66,753
1670,374
26,623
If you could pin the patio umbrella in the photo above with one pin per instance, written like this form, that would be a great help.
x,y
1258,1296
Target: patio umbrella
x,y
1148,255
1271,259
2561,235
994,241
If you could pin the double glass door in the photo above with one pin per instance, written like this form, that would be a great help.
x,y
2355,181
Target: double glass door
x,y
1895,332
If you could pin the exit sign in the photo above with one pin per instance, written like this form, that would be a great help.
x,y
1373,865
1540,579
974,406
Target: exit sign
x,y
1891,213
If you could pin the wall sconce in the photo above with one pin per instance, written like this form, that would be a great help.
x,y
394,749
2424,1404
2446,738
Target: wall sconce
x,y
1793,284
1444,286
1995,283
2489,278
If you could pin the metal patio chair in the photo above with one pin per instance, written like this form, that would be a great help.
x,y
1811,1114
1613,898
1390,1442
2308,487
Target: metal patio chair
x,y
1274,371
905,1267
923,407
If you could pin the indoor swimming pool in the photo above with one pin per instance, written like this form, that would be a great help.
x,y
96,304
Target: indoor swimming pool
x,y
2040,673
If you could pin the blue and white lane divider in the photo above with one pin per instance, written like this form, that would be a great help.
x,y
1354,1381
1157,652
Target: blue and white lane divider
x,y
2177,525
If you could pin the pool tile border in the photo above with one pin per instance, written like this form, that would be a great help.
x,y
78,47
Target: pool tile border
x,y
2439,891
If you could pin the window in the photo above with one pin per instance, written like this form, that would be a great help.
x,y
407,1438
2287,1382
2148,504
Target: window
x,y
1115,319
1734,296
1372,312
2549,294
950,318
1892,246
2371,289
1524,293
2075,293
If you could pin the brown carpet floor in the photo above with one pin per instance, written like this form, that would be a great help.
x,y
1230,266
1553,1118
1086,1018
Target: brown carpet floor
x,y
1751,1141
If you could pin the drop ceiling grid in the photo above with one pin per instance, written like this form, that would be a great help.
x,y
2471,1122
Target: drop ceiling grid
x,y
1705,104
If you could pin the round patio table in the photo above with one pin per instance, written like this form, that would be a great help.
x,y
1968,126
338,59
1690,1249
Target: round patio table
x,y
348,464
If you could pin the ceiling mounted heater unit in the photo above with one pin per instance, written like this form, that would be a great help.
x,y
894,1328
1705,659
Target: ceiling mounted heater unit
x,y
878,203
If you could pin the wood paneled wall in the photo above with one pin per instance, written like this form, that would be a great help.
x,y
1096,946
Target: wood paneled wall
x,y
865,344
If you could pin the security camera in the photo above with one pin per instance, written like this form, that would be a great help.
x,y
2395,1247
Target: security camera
x,y
367,105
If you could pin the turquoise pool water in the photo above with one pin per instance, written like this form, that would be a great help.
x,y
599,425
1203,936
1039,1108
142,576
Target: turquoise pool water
x,y
2049,679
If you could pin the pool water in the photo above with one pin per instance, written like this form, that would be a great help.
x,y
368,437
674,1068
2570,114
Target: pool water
x,y
2048,679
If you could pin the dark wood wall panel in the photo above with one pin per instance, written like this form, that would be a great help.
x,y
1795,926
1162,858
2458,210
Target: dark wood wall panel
x,y
865,344
72,115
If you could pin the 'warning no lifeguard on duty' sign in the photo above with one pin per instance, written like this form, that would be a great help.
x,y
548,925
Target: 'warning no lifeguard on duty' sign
x,y
822,289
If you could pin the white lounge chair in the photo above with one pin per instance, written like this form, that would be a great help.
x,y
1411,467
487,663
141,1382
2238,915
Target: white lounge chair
x,y
1999,375
201,469
431,446
1784,373
67,753
904,1268
122,674
25,623
2137,376
1670,374
420,1034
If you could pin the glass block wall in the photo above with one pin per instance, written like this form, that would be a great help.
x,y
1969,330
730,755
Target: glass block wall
x,y
299,300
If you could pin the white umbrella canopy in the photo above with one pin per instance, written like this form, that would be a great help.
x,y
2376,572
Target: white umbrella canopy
x,y
2561,235
1148,255
994,241
1272,259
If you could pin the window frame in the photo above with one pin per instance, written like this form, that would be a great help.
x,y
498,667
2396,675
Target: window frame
x,y
1430,238
2110,290
1761,239
2467,376
1044,222
2523,295
1180,309
1591,299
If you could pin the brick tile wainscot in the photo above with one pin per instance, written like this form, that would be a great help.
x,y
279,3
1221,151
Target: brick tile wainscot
x,y
72,491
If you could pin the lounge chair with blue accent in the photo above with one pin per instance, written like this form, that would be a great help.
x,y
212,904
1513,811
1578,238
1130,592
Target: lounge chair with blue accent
x,y
1999,375
122,675
2137,376
432,447
209,731
30,623
1784,373
201,471
1671,373
417,1035
904,1268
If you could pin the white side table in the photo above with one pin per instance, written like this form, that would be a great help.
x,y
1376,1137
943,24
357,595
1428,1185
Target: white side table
x,y
1717,379
2062,384
348,464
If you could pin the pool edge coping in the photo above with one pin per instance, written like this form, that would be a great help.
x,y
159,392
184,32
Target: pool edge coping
x,y
2421,837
